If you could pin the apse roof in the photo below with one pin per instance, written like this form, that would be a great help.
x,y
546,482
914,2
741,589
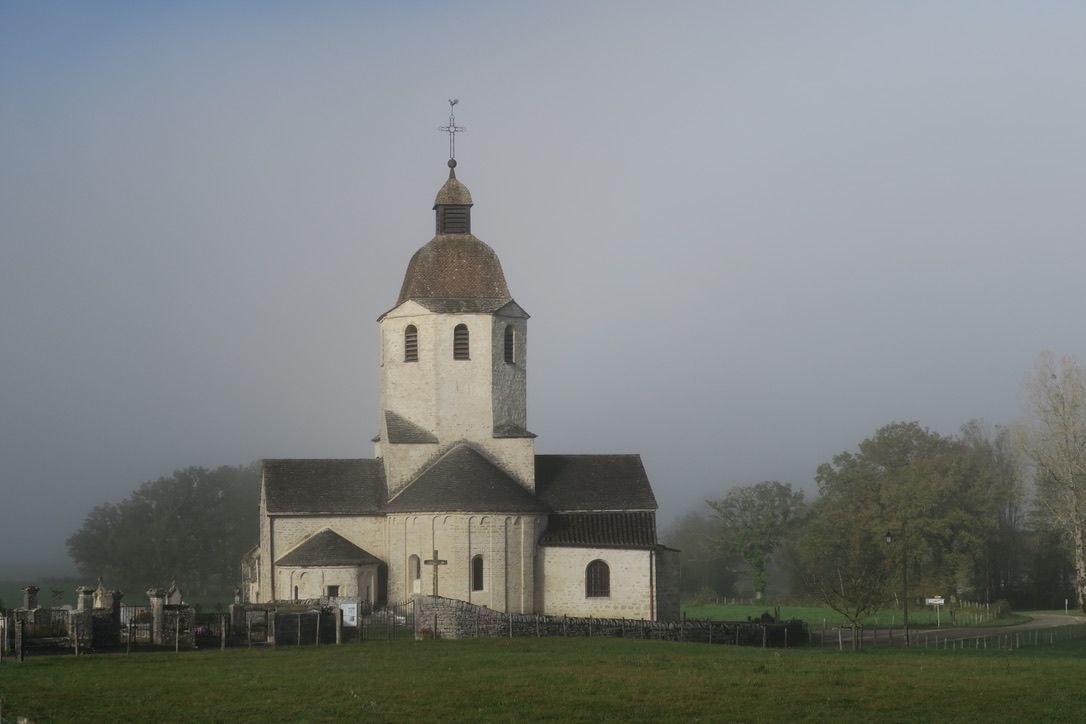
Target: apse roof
x,y
328,548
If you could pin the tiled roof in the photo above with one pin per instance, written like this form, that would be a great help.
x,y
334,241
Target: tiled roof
x,y
601,530
593,483
402,430
325,486
463,480
454,266
508,429
327,548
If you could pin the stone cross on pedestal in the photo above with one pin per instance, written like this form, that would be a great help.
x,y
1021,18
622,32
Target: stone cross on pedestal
x,y
436,563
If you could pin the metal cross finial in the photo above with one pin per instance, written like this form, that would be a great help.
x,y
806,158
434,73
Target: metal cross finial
x,y
452,129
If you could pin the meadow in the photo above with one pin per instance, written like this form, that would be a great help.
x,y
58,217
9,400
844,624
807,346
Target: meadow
x,y
815,615
552,680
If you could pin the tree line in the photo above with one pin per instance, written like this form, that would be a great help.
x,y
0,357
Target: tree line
x,y
193,527
987,514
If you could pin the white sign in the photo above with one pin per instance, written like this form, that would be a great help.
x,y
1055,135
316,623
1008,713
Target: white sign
x,y
935,601
350,613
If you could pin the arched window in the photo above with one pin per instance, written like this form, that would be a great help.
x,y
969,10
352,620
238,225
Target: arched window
x,y
411,344
510,344
460,342
477,573
414,575
597,580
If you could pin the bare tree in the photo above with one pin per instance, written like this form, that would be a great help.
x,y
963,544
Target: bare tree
x,y
1054,440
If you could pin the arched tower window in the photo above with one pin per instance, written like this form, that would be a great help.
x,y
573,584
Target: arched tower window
x,y
510,344
477,573
461,347
411,344
597,580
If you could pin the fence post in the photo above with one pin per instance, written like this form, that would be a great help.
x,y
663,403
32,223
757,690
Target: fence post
x,y
177,632
339,625
318,637
786,636
75,633
20,635
222,632
589,627
764,627
248,630
270,628
299,620
510,624
128,642
537,634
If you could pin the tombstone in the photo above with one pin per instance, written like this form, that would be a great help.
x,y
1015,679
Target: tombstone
x,y
174,596
157,597
84,598
30,597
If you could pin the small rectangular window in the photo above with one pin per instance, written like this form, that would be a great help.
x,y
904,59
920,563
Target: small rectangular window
x,y
333,591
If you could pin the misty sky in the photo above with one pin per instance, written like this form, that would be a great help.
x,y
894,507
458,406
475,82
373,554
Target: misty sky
x,y
749,233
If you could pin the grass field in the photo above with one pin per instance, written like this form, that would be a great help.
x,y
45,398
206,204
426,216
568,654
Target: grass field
x,y
815,615
552,679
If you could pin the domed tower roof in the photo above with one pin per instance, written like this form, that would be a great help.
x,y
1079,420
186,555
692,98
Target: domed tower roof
x,y
454,265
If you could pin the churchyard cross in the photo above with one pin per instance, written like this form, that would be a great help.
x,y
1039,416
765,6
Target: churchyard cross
x,y
436,563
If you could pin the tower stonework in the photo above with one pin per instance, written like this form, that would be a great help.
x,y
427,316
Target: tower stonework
x,y
453,355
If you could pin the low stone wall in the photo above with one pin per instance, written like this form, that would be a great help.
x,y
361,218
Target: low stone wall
x,y
450,618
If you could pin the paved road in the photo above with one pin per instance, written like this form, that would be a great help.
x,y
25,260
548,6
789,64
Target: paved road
x,y
1039,621
881,637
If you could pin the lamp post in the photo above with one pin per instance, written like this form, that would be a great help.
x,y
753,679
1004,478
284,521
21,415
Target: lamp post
x,y
904,579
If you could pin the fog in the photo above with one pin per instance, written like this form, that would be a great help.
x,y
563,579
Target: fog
x,y
748,233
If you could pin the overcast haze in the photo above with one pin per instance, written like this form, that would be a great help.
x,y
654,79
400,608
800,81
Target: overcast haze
x,y
748,233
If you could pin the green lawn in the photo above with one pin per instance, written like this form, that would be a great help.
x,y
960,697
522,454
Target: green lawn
x,y
815,615
552,679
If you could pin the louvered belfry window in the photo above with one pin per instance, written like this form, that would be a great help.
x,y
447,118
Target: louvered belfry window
x,y
411,344
510,344
453,220
461,348
597,580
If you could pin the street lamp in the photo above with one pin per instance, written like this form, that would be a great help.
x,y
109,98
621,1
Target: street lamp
x,y
904,578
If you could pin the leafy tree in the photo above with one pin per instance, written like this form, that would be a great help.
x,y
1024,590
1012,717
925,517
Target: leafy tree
x,y
754,519
1054,440
193,526
704,567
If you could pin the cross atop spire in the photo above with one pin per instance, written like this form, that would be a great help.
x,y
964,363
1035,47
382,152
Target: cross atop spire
x,y
452,129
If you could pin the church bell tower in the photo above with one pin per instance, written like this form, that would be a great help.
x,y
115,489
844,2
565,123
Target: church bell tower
x,y
453,355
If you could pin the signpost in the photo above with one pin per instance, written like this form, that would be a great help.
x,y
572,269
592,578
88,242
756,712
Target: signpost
x,y
938,602
350,613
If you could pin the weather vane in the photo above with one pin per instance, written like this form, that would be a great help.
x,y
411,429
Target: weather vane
x,y
452,129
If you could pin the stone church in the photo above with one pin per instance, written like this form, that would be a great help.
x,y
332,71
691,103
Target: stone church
x,y
455,477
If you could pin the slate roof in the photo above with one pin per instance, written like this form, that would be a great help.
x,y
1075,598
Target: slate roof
x,y
402,430
346,487
601,530
453,193
508,429
327,548
463,480
568,483
454,266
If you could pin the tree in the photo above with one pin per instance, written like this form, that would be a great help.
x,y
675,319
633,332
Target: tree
x,y
705,569
1054,440
753,521
193,526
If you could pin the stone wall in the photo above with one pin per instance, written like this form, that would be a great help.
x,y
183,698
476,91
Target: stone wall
x,y
437,617
561,572
507,544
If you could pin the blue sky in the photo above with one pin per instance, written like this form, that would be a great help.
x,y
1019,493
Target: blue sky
x,y
749,233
